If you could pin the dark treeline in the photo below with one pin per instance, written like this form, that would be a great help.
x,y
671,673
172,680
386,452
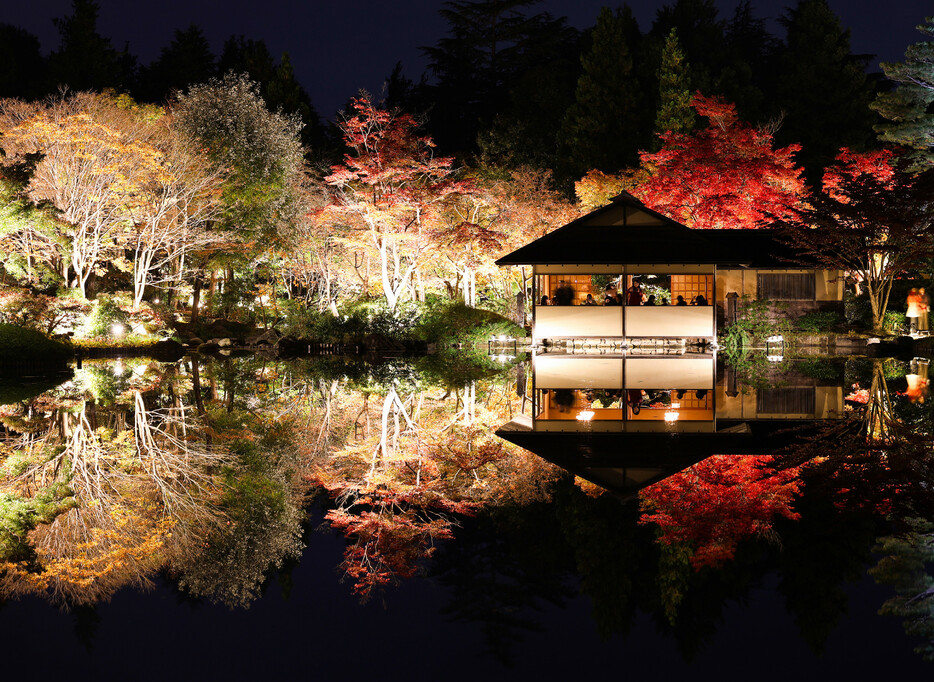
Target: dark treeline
x,y
509,86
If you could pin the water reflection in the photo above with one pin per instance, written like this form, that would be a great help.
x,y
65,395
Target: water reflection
x,y
626,421
202,470
117,474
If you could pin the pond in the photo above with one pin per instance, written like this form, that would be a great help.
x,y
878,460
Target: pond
x,y
548,516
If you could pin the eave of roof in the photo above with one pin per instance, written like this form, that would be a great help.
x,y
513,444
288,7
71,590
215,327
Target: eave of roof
x,y
587,241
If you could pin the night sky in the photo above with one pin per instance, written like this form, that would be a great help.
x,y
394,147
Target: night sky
x,y
339,47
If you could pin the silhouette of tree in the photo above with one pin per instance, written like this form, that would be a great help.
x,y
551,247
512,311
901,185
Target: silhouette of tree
x,y
85,60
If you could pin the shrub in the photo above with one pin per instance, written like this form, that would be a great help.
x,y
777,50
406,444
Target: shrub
x,y
47,314
895,322
820,368
818,321
755,321
454,322
857,309
107,319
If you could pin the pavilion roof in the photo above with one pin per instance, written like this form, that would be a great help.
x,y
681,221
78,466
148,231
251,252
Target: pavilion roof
x,y
627,231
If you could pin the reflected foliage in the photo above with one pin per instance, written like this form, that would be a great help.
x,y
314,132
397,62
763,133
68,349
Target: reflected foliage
x,y
906,566
200,471
713,505
116,475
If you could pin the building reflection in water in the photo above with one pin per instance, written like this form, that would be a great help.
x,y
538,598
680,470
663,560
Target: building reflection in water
x,y
627,420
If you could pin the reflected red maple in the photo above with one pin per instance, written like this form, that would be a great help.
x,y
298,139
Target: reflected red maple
x,y
718,502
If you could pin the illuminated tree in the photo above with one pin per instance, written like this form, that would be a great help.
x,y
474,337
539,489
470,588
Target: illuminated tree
x,y
391,191
174,216
31,246
96,167
259,156
521,207
871,220
674,113
726,175
596,188
467,243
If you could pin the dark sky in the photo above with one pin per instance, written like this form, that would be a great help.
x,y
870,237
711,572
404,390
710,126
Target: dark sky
x,y
339,46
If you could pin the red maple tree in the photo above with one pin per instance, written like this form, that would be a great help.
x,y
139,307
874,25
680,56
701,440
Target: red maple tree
x,y
714,504
726,175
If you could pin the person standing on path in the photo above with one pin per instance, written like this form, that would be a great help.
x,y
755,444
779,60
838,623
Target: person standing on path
x,y
925,306
914,310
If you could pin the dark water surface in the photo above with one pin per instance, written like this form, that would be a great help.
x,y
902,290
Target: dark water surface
x,y
223,549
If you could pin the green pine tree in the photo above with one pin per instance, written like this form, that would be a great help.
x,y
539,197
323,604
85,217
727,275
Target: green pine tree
x,y
604,128
674,113
908,106
823,89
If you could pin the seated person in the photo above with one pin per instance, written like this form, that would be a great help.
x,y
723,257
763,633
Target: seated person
x,y
680,301
544,300
699,300
650,300
589,300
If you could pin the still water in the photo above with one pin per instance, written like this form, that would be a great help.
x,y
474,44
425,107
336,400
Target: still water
x,y
244,517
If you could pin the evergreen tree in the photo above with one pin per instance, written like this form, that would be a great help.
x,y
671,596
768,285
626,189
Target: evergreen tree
x,y
277,84
823,88
525,129
403,94
748,75
605,127
908,107
22,68
475,65
185,61
674,113
85,60
701,38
